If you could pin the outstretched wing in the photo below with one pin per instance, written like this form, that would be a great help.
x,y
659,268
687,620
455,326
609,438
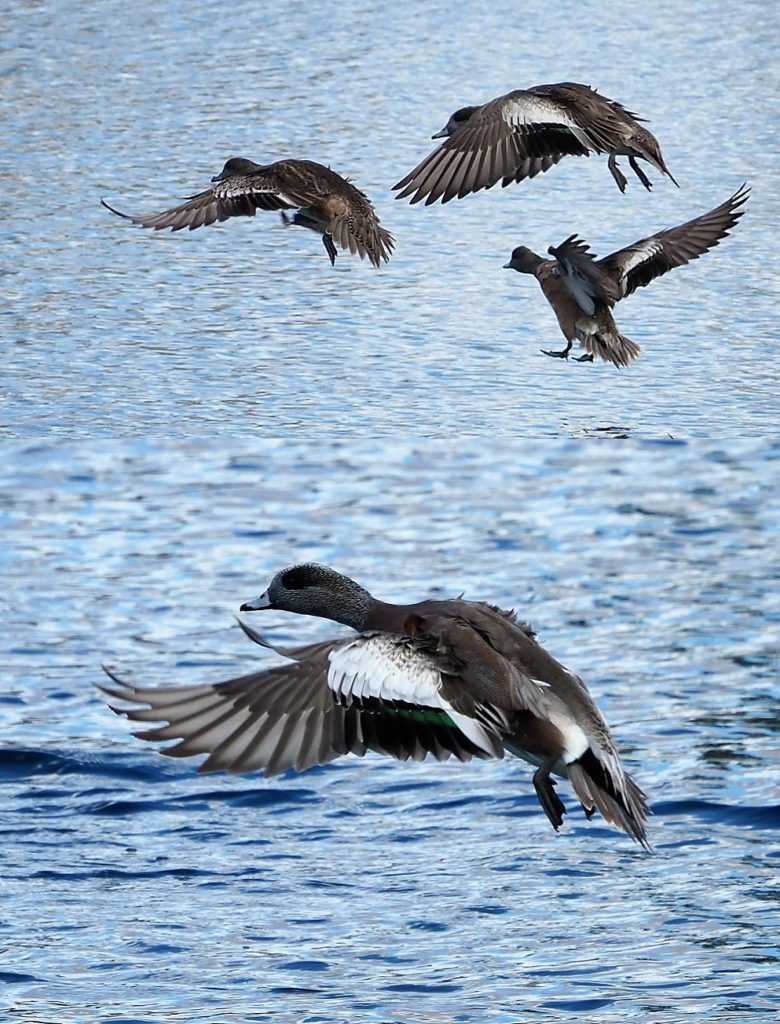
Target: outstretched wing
x,y
512,137
639,264
346,696
240,196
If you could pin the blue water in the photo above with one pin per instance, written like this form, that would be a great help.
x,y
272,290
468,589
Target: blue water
x,y
134,890
109,329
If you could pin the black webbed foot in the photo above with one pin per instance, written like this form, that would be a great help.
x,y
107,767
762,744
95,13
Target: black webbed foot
x,y
620,179
640,173
587,358
563,354
552,805
330,248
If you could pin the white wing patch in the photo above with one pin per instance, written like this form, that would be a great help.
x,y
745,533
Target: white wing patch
x,y
640,254
387,668
539,110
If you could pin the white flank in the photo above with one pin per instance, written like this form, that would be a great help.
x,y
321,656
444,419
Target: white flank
x,y
574,739
386,668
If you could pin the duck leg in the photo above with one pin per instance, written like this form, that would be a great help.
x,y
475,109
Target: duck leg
x,y
616,173
330,248
640,173
304,218
563,354
552,805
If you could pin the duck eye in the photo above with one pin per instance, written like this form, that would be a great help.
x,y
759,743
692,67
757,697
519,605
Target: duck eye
x,y
296,579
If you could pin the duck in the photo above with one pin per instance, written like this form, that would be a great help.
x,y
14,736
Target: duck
x,y
526,132
325,202
582,289
450,678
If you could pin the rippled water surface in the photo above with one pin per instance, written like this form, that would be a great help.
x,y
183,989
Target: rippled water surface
x,y
135,890
109,328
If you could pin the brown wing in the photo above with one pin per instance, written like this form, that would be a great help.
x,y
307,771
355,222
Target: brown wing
x,y
639,264
240,196
585,279
603,120
347,214
495,143
283,717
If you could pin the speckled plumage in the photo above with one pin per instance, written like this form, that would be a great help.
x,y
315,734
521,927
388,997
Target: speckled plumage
x,y
326,203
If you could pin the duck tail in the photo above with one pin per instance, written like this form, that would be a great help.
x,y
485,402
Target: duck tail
x,y
610,346
626,807
364,238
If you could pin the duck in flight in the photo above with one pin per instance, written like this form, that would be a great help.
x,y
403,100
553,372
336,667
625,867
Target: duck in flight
x,y
451,678
583,289
525,132
325,202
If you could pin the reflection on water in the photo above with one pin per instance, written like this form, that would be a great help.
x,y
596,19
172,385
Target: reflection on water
x,y
135,889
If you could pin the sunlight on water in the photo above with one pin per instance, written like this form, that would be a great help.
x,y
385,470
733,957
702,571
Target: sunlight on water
x,y
136,890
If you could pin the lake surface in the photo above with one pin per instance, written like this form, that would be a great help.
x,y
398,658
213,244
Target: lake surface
x,y
109,329
135,890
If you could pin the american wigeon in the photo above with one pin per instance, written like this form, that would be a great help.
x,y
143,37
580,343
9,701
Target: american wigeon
x,y
449,678
527,131
582,290
326,203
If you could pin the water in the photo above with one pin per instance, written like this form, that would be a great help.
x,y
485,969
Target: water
x,y
108,329
137,891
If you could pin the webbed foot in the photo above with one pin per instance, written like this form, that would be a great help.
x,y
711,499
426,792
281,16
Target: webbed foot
x,y
640,173
330,248
617,174
563,354
552,805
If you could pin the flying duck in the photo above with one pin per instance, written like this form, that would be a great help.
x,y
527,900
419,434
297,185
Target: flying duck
x,y
582,289
527,131
326,203
452,678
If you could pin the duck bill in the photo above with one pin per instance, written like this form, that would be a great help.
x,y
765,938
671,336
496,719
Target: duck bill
x,y
441,135
264,601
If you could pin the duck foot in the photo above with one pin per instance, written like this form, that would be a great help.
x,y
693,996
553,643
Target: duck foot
x,y
330,248
587,358
563,354
620,179
552,805
640,173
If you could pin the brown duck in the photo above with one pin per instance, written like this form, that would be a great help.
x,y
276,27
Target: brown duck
x,y
527,131
582,289
451,678
326,203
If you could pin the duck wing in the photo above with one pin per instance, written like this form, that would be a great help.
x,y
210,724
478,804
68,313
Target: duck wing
x,y
639,264
239,196
583,276
376,692
495,144
347,214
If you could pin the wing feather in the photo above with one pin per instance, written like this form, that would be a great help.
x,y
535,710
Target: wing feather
x,y
240,196
637,265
